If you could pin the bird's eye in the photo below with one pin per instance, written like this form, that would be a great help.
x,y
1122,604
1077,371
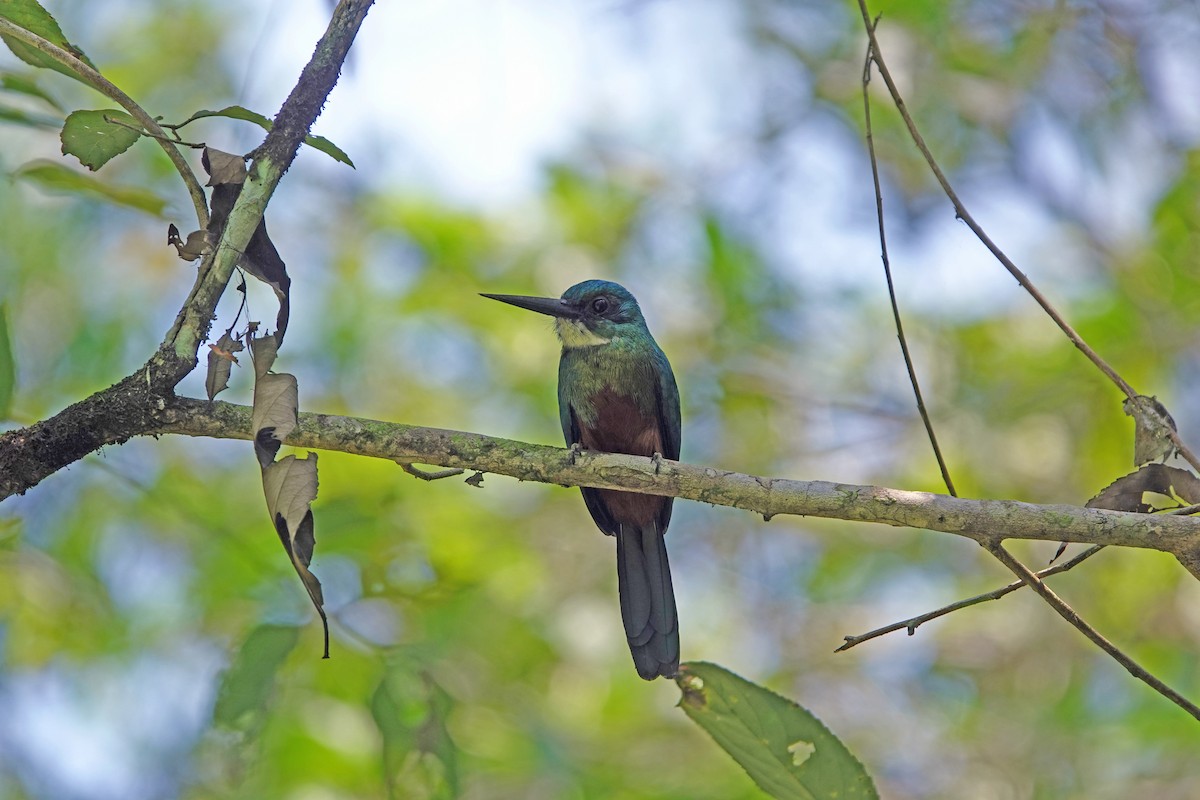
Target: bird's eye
x,y
600,305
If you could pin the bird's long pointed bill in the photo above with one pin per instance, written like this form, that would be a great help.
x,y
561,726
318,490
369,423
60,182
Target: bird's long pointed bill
x,y
550,306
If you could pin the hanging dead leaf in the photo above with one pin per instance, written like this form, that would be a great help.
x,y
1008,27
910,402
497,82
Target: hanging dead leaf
x,y
275,415
1153,427
222,167
290,486
221,359
197,245
1149,490
260,258
263,350
1154,487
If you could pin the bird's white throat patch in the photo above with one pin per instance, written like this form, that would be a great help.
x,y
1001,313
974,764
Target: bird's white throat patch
x,y
574,333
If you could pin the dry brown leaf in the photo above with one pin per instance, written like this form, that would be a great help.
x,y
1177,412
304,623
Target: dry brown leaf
x,y
220,360
223,168
260,258
290,486
276,399
1154,487
1152,431
263,350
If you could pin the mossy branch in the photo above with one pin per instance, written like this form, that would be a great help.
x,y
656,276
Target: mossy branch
x,y
130,407
984,521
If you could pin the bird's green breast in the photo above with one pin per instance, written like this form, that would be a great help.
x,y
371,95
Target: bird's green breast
x,y
623,366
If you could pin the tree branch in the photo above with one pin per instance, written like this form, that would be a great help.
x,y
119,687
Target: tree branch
x,y
130,407
887,273
107,88
1066,612
979,520
961,212
271,160
912,623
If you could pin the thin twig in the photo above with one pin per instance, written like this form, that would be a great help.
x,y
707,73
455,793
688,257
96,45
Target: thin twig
x,y
961,212
109,89
994,545
913,623
1066,612
143,132
417,472
887,271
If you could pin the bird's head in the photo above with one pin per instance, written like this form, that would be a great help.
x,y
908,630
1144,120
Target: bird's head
x,y
588,314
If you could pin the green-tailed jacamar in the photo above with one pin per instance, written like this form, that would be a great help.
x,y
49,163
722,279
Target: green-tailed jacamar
x,y
617,394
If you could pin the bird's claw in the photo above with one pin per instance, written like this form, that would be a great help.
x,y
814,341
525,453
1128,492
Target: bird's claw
x,y
573,452
658,460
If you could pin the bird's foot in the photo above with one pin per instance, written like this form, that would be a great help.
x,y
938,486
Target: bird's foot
x,y
658,460
573,452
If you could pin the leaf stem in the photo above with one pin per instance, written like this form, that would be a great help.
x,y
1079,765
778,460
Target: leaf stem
x,y
106,87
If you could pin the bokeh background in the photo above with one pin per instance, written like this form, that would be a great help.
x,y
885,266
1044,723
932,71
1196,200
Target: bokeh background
x,y
154,640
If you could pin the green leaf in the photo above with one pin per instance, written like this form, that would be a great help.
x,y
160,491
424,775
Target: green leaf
x,y
95,137
55,177
19,116
238,112
246,685
783,747
419,758
30,15
23,84
8,366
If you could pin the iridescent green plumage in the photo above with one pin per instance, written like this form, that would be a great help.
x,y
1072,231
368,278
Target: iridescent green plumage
x,y
616,393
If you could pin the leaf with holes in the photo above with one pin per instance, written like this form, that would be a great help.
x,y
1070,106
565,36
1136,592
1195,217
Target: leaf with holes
x,y
782,747
1154,487
96,137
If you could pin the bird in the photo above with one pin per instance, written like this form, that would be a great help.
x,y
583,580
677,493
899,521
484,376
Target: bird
x,y
617,394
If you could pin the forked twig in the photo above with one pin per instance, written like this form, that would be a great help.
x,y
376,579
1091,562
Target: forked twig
x,y
1069,614
995,546
150,134
960,210
887,271
912,623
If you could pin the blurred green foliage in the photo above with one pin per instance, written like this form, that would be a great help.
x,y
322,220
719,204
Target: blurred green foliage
x,y
477,645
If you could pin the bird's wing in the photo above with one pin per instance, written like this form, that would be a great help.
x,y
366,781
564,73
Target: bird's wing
x,y
669,424
668,409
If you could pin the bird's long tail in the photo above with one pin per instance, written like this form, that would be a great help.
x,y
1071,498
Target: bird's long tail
x,y
647,600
